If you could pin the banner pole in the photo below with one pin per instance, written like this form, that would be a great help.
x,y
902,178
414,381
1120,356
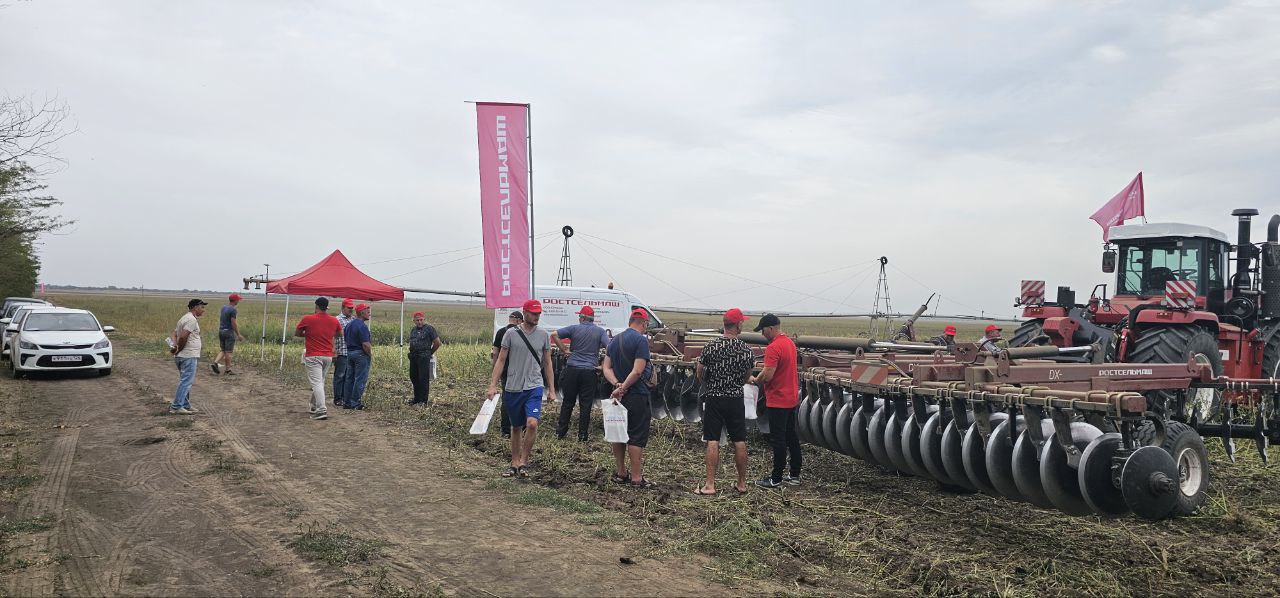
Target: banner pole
x,y
401,351
284,330
528,127
266,291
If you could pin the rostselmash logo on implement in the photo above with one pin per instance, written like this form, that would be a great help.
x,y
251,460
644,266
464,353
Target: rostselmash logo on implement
x,y
1133,372
504,188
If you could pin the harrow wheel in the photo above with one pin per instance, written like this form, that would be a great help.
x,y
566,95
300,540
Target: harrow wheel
x,y
911,453
875,436
802,420
999,460
1061,481
858,432
842,428
829,422
816,412
1191,458
1096,485
973,455
1149,483
1026,467
893,427
931,450
953,456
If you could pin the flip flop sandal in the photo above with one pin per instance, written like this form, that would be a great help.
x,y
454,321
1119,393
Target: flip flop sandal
x,y
702,491
511,472
619,479
643,484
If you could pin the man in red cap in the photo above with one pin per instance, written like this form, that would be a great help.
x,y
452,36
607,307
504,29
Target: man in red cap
x,y
579,380
725,365
359,358
340,355
991,341
627,367
423,343
228,334
781,396
523,363
946,339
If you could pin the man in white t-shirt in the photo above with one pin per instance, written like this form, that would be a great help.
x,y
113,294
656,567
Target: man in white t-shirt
x,y
185,347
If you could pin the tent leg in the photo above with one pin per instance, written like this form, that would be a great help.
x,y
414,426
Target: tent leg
x,y
284,330
402,334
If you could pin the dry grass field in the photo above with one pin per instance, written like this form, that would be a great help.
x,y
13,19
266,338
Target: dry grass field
x,y
851,528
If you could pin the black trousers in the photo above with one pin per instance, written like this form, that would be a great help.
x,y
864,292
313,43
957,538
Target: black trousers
x,y
420,376
783,439
577,385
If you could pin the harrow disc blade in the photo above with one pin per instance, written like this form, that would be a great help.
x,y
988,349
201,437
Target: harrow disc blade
x,y
691,407
816,413
1026,467
953,456
829,414
875,436
1061,481
1000,460
931,450
843,417
974,457
802,420
658,405
1149,483
911,453
1099,492
858,434
674,395
893,443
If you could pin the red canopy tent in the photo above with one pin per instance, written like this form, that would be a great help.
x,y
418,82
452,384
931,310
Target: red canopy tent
x,y
333,276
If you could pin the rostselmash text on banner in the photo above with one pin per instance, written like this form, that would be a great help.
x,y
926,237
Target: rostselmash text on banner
x,y
504,202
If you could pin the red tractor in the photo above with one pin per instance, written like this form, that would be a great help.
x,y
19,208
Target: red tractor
x,y
1174,300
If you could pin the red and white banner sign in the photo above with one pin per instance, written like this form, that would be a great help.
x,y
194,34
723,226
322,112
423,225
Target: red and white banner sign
x,y
1180,294
1128,203
1032,292
504,202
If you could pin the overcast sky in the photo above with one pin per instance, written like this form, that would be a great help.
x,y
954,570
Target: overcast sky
x,y
967,142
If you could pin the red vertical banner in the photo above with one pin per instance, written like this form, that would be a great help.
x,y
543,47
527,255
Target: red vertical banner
x,y
504,202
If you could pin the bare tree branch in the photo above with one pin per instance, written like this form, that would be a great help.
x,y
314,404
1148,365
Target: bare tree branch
x,y
30,130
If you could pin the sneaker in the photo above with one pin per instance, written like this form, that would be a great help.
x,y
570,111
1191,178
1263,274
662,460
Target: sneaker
x,y
768,483
229,373
180,411
311,410
791,480
192,410
217,369
320,415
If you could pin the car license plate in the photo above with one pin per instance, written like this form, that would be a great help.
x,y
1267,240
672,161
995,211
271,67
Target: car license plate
x,y
66,358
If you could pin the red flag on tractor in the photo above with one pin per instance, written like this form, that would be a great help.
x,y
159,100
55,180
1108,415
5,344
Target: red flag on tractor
x,y
1128,203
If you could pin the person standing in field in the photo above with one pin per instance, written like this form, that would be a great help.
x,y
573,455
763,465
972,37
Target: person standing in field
x,y
359,358
347,314
781,396
424,341
725,365
627,367
523,363
580,379
321,331
185,346
228,334
513,320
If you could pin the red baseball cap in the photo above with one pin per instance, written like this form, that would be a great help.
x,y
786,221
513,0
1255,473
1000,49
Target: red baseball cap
x,y
638,313
532,306
418,314
348,303
587,311
234,297
949,330
734,316
362,307
991,327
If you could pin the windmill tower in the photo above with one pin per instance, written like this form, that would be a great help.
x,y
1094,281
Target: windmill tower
x,y
880,326
565,277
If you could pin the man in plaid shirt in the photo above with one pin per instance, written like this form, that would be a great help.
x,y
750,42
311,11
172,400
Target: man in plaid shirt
x,y
340,354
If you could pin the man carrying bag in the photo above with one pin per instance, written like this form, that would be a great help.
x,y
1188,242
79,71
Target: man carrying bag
x,y
523,362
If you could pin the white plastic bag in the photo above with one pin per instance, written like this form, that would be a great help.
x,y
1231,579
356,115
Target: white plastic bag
x,y
615,422
435,371
750,393
481,425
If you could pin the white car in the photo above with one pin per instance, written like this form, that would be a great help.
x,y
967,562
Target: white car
x,y
59,339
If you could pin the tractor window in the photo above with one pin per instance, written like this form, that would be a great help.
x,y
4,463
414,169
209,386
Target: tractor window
x,y
1144,269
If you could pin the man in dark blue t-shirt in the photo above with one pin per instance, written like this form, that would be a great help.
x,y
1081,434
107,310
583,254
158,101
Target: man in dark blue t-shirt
x,y
579,381
359,357
628,368
228,334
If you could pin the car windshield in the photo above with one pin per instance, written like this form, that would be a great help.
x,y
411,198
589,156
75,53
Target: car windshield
x,y
61,322
1144,269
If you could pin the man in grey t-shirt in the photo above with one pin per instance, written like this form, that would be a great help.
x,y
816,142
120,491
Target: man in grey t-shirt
x,y
522,372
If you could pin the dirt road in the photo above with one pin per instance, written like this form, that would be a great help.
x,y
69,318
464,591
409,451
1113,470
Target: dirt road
x,y
143,505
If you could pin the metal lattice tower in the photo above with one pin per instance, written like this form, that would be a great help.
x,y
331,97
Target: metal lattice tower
x,y
565,278
878,313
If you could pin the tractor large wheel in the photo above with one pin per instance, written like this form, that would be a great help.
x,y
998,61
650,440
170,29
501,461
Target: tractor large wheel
x,y
1173,344
1029,333
1189,453
1271,356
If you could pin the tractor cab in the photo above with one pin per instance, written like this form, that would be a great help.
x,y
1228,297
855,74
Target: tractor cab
x,y
1150,256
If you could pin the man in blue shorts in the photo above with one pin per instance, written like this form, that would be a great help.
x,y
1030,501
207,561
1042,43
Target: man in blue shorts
x,y
627,367
523,362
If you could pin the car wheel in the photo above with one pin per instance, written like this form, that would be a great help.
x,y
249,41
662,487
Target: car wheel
x,y
104,372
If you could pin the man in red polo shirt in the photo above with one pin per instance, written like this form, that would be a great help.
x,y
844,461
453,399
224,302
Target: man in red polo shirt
x,y
781,395
320,329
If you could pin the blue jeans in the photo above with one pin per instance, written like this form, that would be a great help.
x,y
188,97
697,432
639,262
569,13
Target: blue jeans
x,y
357,376
339,379
186,375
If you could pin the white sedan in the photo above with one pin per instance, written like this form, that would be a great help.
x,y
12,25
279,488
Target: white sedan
x,y
59,339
